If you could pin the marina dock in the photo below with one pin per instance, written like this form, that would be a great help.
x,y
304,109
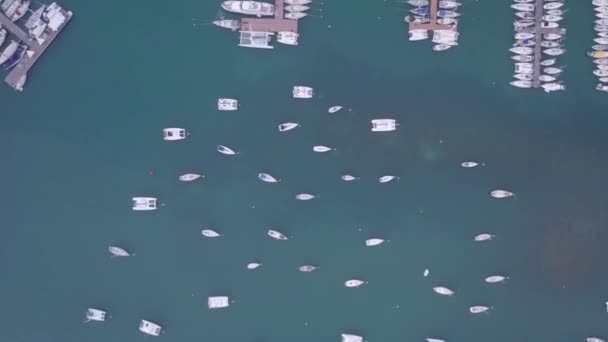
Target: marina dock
x,y
277,24
35,49
432,25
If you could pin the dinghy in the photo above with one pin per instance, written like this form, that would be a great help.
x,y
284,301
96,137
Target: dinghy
x,y
469,164
253,265
276,235
501,194
288,126
354,283
321,148
386,179
373,242
304,197
348,178
495,279
478,309
444,291
307,268
225,150
484,237
210,233
118,251
334,109
189,177
267,178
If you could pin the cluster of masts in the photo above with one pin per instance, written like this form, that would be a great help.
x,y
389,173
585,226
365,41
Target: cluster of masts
x,y
444,38
600,48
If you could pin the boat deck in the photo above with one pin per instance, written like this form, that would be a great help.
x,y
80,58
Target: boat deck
x,y
432,25
276,24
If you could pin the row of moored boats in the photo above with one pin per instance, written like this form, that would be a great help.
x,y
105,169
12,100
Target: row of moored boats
x,y
600,48
447,15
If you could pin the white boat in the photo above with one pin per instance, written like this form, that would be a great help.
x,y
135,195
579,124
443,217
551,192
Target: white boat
x,y
2,35
601,40
321,148
12,8
552,18
523,77
384,125
227,104
302,92
552,5
307,268
287,126
441,47
550,43
351,338
225,150
525,42
418,3
522,50
95,315
602,9
602,67
418,34
430,339
600,28
521,84
288,37
276,235
21,82
501,193
595,339
469,164
524,35
9,51
600,2
426,272
447,14
523,7
353,283
21,10
525,15
549,87
334,109
546,78
443,291
524,68
522,23
296,8
601,87
484,237
189,177
447,21
118,251
522,58
267,178
228,23
386,179
298,2
548,62
602,15
373,242
295,15
600,72
172,134
546,24
552,70
253,265
555,12
416,19
6,4
478,309
210,233
603,79
602,21
255,39
249,7
603,34
218,302
304,197
495,279
149,328
348,178
552,36
144,203
449,4
554,51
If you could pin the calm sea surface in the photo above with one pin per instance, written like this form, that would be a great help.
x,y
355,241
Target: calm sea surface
x,y
85,137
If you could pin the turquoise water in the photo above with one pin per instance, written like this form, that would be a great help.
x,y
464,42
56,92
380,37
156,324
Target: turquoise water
x,y
85,137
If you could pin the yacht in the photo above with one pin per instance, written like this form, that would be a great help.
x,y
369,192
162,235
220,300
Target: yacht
x,y
444,291
595,339
552,36
267,178
418,3
523,77
556,12
600,72
8,51
383,125
523,68
287,126
441,47
386,179
172,134
2,35
189,177
422,11
304,197
334,109
545,24
416,19
255,39
230,24
302,92
521,84
600,28
548,62
601,40
227,104
553,5
495,279
602,15
307,268
447,14
16,57
288,38
523,58
95,315
13,8
552,70
348,178
351,338
225,150
118,251
601,87
594,54
373,242
210,233
249,7
600,2
554,51
429,339
546,78
296,8
447,21
298,2
552,18
524,35
484,237
602,67
501,193
6,4
522,50
321,148
276,235
603,34
550,43
295,15
525,42
549,87
478,309
415,35
144,203
525,15
149,328
602,21
523,7
469,164
448,4
21,10
253,265
353,283
218,302
601,9
523,23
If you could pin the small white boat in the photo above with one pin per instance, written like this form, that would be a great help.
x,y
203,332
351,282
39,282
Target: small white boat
x,y
253,265
418,3
523,7
225,150
418,34
525,15
501,194
602,21
523,35
172,134
430,339
484,237
218,302
550,43
304,197
553,5
354,283
444,291
298,2
441,47
288,126
548,62
595,339
552,18
95,315
469,164
447,21
426,272
600,47
386,179
334,109
144,203
348,178
521,84
546,78
600,72
522,50
307,268
288,38
495,279
449,4
296,8
351,338
210,233
302,92
603,79
549,87
522,23
249,7
552,36
189,177
601,40
118,251
2,35
554,51
601,9
556,12
373,242
227,104
601,87
602,15
600,2
522,58
321,148
383,125
545,24
228,23
598,54
552,71
295,15
603,34
267,178
276,235
149,328
523,77
478,309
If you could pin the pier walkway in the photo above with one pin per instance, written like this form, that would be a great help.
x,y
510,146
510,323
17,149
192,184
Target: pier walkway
x,y
432,25
277,24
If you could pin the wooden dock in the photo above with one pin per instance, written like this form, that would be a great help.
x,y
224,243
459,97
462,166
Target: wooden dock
x,y
432,25
276,24
35,50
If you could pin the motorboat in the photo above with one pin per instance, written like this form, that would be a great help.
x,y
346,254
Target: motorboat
x,y
523,77
546,78
295,15
149,328
602,34
426,272
93,314
549,87
598,54
522,50
595,339
307,268
447,21
353,283
373,242
144,203
351,338
525,42
416,19
225,150
321,148
256,39
267,178
552,71
523,58
418,34
218,302
304,197
21,10
554,51
253,265
469,164
447,14
288,126
210,233
484,237
601,61
501,193
522,68
601,15
2,35
523,23
602,67
276,235
523,7
601,40
249,7
386,179
601,87
430,339
600,2
548,62
16,57
298,2
601,73
230,24
550,43
552,18
348,178
478,309
296,8
172,134
118,251
556,12
418,3
495,279
552,36
448,4
21,82
601,9
441,47
189,177
602,21
546,24
288,38
227,104
13,8
334,109
302,92
524,35
444,291
9,50
553,5
383,125
525,15
35,17
423,11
